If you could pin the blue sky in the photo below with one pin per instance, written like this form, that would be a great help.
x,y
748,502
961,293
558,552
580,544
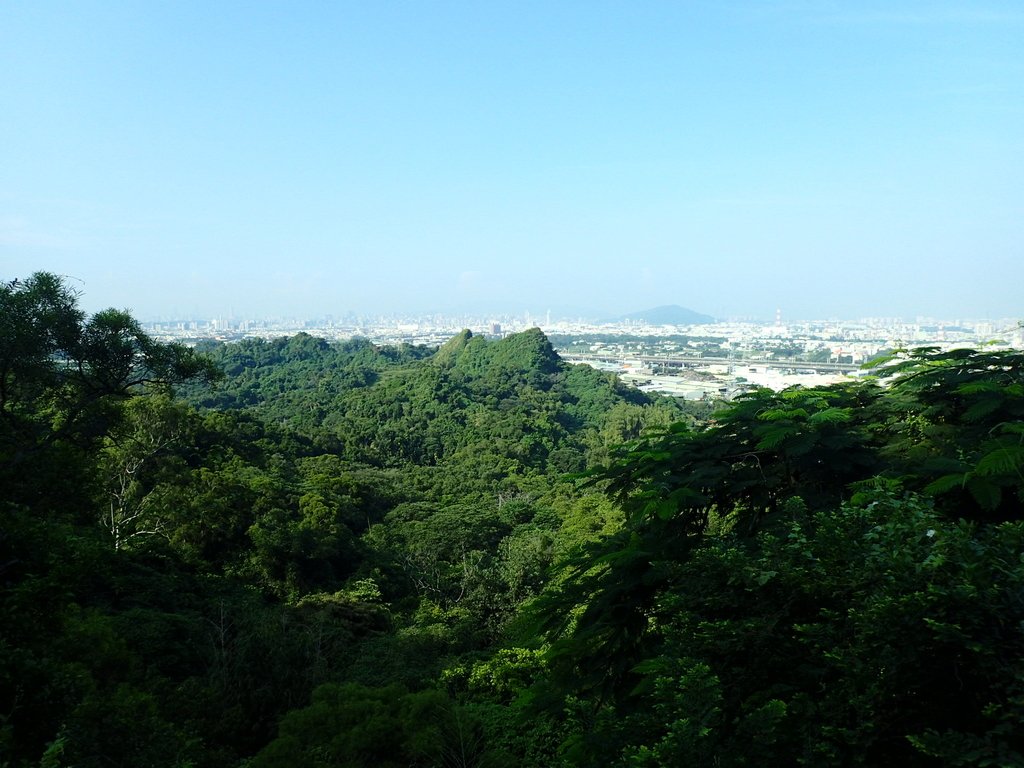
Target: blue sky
x,y
829,159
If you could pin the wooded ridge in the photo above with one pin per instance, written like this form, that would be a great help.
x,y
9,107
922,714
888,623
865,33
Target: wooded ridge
x,y
298,553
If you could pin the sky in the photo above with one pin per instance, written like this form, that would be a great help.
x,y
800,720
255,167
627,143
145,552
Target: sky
x,y
825,159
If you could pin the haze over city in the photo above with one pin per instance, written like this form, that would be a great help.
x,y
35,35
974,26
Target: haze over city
x,y
191,159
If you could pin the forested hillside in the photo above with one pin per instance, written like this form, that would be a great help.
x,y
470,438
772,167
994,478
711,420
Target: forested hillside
x,y
192,543
297,553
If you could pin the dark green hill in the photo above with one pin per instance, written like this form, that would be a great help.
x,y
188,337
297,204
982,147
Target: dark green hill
x,y
505,408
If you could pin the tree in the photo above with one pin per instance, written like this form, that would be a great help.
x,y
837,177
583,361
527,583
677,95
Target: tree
x,y
63,375
796,583
137,456
958,428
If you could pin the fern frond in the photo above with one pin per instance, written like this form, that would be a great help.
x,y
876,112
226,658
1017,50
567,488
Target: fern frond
x,y
774,437
1007,460
983,408
831,416
946,483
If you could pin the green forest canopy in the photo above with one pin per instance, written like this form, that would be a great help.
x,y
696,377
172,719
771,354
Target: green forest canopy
x,y
294,552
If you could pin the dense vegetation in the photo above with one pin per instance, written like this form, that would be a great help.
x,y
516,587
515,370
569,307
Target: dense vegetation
x,y
340,554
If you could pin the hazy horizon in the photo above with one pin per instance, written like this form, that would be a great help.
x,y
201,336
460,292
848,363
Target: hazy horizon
x,y
302,160
541,316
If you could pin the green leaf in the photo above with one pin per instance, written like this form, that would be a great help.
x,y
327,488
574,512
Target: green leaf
x,y
831,416
946,483
774,437
778,414
976,387
666,509
943,465
1001,461
985,493
883,359
688,496
983,408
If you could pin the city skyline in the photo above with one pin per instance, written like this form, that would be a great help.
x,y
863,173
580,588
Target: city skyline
x,y
544,318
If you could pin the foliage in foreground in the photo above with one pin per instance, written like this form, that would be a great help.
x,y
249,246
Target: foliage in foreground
x,y
878,633
803,581
349,555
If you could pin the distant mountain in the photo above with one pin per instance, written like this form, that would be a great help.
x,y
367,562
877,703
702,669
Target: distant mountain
x,y
671,314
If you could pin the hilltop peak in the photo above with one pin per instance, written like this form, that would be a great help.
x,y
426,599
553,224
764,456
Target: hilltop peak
x,y
449,352
530,349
